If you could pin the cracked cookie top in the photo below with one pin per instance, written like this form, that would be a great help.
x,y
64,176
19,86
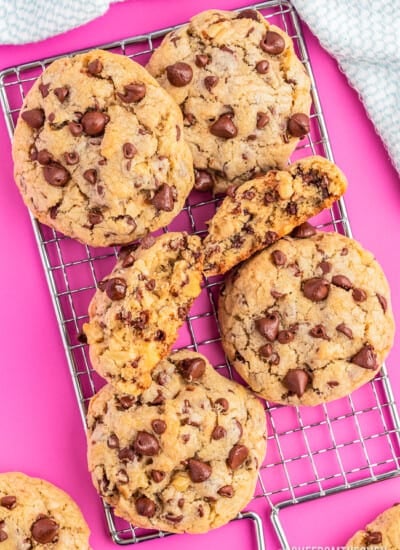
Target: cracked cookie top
x,y
137,310
307,320
36,514
98,150
184,455
244,94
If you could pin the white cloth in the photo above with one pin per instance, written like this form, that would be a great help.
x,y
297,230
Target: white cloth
x,y
364,36
23,21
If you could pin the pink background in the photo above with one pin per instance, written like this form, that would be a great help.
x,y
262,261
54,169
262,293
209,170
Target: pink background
x,y
40,427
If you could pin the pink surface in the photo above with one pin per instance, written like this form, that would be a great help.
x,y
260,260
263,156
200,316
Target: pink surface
x,y
41,431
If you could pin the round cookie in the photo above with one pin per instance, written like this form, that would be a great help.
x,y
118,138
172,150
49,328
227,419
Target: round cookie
x,y
382,533
307,320
184,455
36,514
98,150
244,94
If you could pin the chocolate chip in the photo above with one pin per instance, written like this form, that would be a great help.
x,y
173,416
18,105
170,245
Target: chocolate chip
x,y
198,471
95,67
270,237
248,14
237,455
303,231
192,369
179,74
34,118
122,476
113,441
173,519
133,92
145,507
272,43
95,216
55,174
266,350
147,241
262,66
325,267
116,288
298,125
164,199
359,295
365,358
9,502
44,157
61,93
157,475
269,326
125,402
262,120
146,444
75,128
315,289
129,150
226,49
159,426
344,251
296,381
222,403
342,281
373,537
202,60
270,196
159,336
226,491
382,301
278,257
333,383
45,530
126,454
218,433
94,122
285,336
344,329
224,127
71,158
203,180
90,175
319,331
210,82
44,89
3,535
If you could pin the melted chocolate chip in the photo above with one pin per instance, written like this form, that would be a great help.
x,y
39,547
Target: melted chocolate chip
x,y
226,491
218,433
210,82
342,281
159,426
198,471
133,92
125,402
222,403
44,157
34,118
202,60
266,350
8,501
262,120
315,289
325,267
344,329
61,93
303,231
272,43
278,257
113,441
3,535
126,454
75,128
116,288
319,331
269,326
146,444
262,66
359,295
224,127
122,476
373,537
192,369
95,67
71,158
285,336
157,475
55,174
296,381
382,301
270,237
45,530
179,74
94,122
44,89
129,150
145,507
237,455
95,216
164,198
248,14
365,358
203,180
90,175
298,125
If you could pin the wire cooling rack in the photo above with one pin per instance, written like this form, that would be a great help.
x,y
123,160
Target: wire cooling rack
x,y
312,452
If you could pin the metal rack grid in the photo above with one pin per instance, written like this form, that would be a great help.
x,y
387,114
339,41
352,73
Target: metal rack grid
x,y
312,452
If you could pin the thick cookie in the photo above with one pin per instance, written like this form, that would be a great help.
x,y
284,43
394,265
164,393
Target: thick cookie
x,y
184,455
381,534
138,309
307,320
262,210
244,94
36,514
98,150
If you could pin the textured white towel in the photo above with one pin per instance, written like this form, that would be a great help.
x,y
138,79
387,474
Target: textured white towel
x,y
364,36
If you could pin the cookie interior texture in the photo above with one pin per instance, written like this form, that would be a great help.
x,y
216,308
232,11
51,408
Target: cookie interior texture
x,y
35,513
184,455
137,310
98,150
244,94
307,320
383,532
264,209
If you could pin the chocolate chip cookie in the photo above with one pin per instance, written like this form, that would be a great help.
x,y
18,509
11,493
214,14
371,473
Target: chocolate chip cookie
x,y
36,514
244,94
184,455
381,534
98,150
138,309
307,320
262,210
